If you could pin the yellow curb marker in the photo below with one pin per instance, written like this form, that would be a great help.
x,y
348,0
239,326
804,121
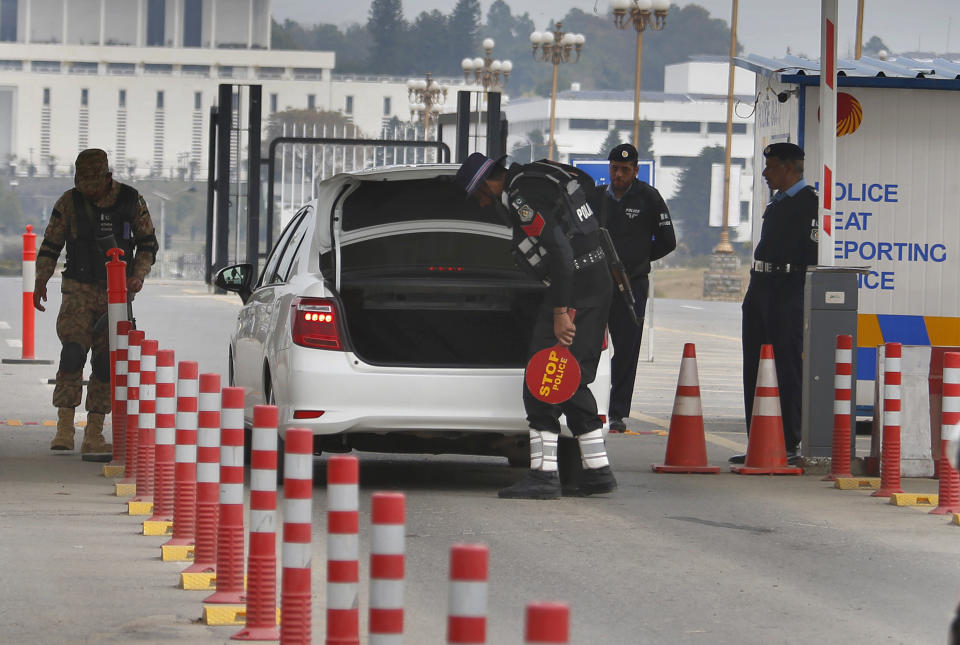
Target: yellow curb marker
x,y
157,527
225,614
912,499
956,518
125,490
176,553
14,422
198,581
140,508
857,483
113,471
49,423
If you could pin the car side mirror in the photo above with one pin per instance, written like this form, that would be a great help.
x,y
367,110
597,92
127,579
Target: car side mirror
x,y
236,278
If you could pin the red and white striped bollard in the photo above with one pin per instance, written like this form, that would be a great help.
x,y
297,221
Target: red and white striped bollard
x,y
116,314
387,563
165,445
890,451
547,622
467,613
948,499
297,550
343,550
261,620
178,548
142,504
842,384
119,402
230,528
204,568
134,341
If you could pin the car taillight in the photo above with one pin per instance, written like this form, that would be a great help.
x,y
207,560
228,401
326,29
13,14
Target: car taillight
x,y
314,323
606,337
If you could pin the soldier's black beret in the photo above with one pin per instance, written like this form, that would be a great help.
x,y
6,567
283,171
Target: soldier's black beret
x,y
624,152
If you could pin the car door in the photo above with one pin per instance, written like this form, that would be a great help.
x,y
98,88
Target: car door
x,y
258,316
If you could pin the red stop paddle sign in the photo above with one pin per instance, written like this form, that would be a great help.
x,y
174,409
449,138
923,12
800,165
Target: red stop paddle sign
x,y
553,374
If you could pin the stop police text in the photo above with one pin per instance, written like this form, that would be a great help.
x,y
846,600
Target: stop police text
x,y
850,192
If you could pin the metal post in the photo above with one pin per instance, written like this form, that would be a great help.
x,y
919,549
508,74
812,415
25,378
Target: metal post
x,y
724,246
253,175
636,88
493,125
463,125
211,194
224,126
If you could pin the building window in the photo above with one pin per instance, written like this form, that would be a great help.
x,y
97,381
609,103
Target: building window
x,y
195,70
386,106
311,101
84,97
46,96
721,128
122,99
589,124
680,126
8,21
273,103
197,100
192,23
157,68
156,22
348,105
672,161
160,100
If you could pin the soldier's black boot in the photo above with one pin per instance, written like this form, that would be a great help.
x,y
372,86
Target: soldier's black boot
x,y
537,484
596,481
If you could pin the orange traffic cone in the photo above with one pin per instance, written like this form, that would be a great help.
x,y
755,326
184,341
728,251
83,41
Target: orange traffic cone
x,y
766,451
686,445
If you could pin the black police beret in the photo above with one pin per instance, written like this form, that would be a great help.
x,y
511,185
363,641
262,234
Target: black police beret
x,y
784,151
624,152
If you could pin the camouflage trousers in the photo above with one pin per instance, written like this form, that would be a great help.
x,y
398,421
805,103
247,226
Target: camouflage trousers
x,y
82,306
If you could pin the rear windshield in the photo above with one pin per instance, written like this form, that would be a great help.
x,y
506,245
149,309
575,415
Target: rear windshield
x,y
389,202
422,253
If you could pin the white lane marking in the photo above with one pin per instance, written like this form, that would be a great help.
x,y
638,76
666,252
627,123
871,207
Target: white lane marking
x,y
4,325
691,307
14,342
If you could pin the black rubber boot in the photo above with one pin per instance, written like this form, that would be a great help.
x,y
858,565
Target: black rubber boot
x,y
596,481
535,485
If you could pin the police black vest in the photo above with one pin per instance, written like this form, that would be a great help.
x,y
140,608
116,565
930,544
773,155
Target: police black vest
x,y
85,259
574,213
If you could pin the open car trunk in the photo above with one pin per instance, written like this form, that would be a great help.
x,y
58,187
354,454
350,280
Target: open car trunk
x,y
441,322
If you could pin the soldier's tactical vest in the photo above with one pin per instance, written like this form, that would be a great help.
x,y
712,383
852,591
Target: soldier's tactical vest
x,y
85,257
571,207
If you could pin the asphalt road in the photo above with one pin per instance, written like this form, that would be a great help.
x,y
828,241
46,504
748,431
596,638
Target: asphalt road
x,y
665,559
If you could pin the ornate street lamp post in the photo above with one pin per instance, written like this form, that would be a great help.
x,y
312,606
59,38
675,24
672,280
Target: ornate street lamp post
x,y
426,99
641,14
492,74
555,47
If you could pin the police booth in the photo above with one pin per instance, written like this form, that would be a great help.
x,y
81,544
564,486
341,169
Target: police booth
x,y
896,235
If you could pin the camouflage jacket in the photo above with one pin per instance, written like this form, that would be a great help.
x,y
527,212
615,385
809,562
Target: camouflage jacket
x,y
63,223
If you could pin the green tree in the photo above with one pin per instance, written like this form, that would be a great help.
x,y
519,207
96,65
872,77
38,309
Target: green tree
x,y
388,31
535,147
464,30
873,46
611,142
430,45
690,207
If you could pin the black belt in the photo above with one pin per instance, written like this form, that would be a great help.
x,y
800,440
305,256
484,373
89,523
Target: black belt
x,y
771,267
587,259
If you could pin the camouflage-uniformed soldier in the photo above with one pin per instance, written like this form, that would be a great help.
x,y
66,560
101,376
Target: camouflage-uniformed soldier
x,y
84,219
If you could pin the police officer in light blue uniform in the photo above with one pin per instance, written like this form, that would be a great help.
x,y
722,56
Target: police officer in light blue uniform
x,y
773,305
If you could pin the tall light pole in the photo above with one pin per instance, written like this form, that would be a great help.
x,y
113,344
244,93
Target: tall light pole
x,y
724,246
641,14
426,98
164,198
489,72
555,47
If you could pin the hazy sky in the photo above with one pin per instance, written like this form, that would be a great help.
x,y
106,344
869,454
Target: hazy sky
x,y
765,27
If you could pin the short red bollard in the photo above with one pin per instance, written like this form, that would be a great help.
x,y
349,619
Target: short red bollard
x,y
146,422
119,402
890,451
29,271
134,341
949,487
185,465
165,438
261,617
842,381
467,614
387,563
208,479
295,607
343,550
230,529
547,622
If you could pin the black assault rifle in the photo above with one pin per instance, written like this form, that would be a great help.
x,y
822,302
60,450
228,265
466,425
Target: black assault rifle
x,y
619,273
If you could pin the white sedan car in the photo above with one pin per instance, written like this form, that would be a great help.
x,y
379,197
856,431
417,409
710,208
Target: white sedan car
x,y
390,316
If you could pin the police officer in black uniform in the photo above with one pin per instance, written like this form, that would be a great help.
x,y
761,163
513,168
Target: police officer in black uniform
x,y
639,224
580,282
773,306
